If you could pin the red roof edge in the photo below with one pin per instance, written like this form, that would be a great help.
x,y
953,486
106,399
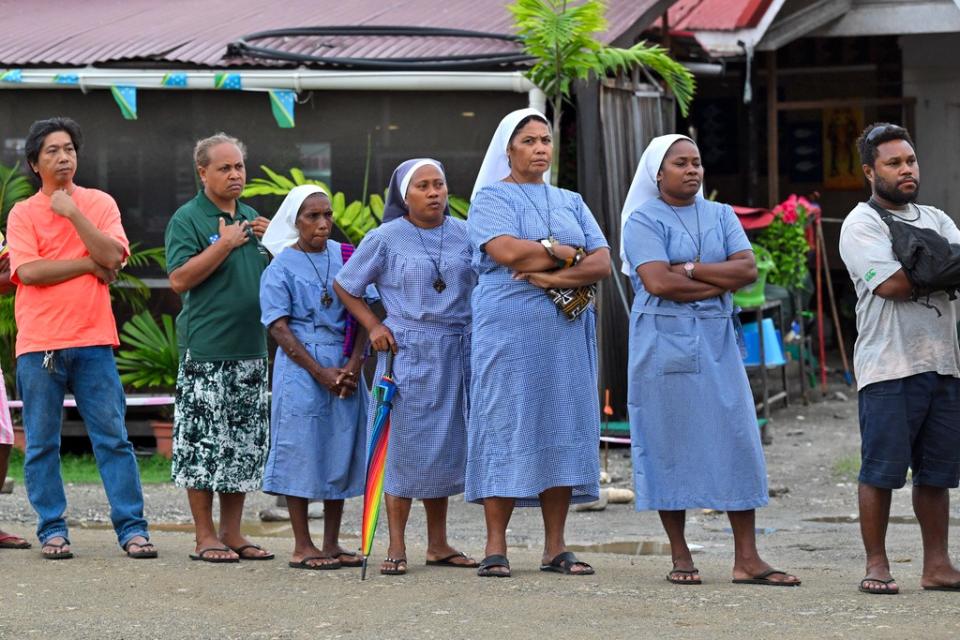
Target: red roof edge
x,y
752,13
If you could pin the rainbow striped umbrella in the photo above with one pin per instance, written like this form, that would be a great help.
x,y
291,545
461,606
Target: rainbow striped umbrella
x,y
377,460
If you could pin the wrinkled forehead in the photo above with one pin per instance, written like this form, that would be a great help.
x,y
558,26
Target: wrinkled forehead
x,y
318,200
426,172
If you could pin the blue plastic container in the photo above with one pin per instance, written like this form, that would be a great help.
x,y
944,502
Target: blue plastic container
x,y
772,344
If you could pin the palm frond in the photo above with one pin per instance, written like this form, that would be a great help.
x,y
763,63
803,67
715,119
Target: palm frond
x,y
153,359
677,77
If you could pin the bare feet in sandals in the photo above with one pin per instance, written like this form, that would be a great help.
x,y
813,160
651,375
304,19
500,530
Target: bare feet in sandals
x,y
56,548
684,572
759,572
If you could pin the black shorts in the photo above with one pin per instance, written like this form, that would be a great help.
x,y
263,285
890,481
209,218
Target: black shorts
x,y
914,423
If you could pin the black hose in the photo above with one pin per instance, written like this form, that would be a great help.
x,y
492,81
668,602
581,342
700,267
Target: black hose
x,y
243,47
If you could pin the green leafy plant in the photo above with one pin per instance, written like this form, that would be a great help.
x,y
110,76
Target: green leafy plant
x,y
560,36
129,289
14,187
152,358
786,240
458,206
355,218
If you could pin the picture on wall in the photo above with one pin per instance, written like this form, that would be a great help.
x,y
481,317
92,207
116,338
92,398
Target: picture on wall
x,y
841,161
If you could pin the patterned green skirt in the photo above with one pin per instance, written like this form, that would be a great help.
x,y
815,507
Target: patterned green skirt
x,y
221,425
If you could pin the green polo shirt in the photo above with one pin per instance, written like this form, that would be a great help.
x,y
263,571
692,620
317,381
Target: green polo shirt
x,y
220,319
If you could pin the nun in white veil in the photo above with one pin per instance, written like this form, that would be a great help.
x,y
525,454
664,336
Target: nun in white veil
x,y
318,413
685,255
534,418
419,260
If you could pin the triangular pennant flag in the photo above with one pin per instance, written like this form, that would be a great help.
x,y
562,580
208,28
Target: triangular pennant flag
x,y
227,81
12,75
281,103
66,78
126,98
174,80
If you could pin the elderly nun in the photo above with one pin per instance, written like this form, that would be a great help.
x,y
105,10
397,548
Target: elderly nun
x,y
419,260
685,255
319,409
535,415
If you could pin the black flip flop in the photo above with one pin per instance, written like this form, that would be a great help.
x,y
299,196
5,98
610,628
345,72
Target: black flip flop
x,y
396,571
144,553
564,563
448,562
764,579
490,562
305,564
57,555
944,587
354,561
686,572
876,591
202,556
239,551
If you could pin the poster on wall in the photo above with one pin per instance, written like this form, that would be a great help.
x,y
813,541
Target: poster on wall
x,y
841,160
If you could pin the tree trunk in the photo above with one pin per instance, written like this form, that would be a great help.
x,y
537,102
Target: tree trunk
x,y
555,165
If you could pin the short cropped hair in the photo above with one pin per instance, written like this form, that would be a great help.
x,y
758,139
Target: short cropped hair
x,y
875,135
201,152
39,131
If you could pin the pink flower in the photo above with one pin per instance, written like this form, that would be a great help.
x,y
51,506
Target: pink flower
x,y
790,216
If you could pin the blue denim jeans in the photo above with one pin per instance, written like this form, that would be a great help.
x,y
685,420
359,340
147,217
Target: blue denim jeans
x,y
90,373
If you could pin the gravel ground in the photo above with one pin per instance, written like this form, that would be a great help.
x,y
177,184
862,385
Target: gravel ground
x,y
807,529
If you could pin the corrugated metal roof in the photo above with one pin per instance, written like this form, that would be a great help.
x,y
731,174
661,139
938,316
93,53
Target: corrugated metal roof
x,y
717,15
170,32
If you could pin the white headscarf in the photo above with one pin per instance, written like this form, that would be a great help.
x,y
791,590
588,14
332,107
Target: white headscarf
x,y
644,185
282,230
495,166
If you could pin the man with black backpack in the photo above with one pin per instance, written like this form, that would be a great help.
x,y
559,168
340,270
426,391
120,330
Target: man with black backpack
x,y
906,358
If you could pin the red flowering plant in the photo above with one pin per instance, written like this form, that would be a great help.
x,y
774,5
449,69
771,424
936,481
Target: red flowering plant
x,y
786,240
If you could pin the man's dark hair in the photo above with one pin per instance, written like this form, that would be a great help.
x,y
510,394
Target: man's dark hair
x,y
39,131
875,135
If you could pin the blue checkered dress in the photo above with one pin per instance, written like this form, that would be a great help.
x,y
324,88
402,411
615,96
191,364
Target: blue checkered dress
x,y
427,450
705,453
317,440
535,414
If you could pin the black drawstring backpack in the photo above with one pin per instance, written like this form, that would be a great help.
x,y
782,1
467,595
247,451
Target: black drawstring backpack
x,y
930,262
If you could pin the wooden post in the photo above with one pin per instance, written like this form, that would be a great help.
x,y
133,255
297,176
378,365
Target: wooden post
x,y
773,160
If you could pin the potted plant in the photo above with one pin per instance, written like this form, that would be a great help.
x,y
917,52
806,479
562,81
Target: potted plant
x,y
786,240
151,362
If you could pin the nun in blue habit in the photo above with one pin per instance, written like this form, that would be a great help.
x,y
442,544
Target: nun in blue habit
x,y
535,412
419,260
318,412
693,428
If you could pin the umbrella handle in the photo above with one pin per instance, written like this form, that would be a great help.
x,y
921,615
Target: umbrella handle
x,y
388,369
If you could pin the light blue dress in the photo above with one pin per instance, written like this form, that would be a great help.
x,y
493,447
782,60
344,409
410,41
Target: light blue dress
x,y
535,412
695,441
317,440
427,449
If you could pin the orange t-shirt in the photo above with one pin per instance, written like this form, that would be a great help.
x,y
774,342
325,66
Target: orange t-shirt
x,y
75,312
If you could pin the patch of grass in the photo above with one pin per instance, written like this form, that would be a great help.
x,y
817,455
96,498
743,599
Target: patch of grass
x,y
82,469
847,468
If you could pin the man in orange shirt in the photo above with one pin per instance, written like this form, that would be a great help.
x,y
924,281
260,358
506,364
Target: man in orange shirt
x,y
66,246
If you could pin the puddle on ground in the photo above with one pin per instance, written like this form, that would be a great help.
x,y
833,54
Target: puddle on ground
x,y
253,529
632,548
852,519
760,531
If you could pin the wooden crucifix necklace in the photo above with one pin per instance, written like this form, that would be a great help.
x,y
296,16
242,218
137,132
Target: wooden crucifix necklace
x,y
326,299
439,285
